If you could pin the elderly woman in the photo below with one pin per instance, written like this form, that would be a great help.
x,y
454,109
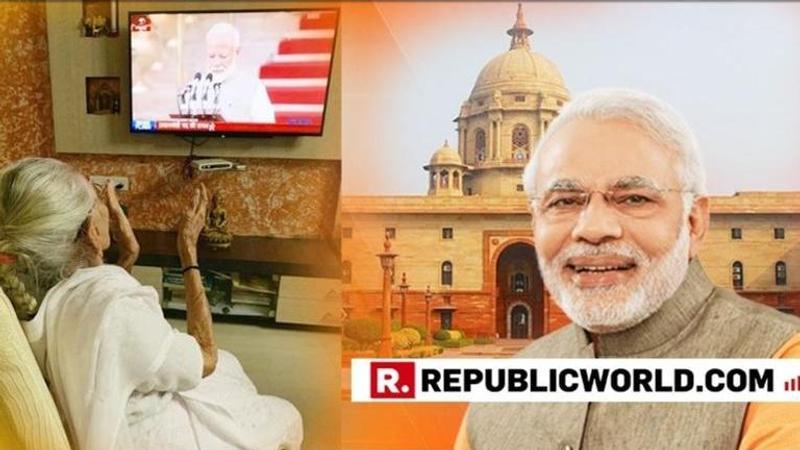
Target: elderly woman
x,y
121,376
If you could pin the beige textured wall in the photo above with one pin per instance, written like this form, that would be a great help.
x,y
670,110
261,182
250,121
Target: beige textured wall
x,y
496,183
758,250
273,197
421,248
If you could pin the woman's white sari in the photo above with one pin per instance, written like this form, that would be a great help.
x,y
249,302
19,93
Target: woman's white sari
x,y
124,379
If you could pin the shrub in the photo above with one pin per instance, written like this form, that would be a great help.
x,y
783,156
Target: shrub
x,y
456,335
420,329
396,325
400,341
364,331
413,336
442,335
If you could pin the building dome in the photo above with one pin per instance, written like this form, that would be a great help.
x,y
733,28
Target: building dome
x,y
446,172
521,70
446,155
516,96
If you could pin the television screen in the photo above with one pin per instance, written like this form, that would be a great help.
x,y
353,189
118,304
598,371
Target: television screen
x,y
231,73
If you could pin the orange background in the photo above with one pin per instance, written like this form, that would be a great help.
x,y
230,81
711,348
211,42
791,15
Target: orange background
x,y
400,426
373,61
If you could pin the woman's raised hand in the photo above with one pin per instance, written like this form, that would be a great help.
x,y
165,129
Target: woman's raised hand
x,y
120,228
191,224
198,314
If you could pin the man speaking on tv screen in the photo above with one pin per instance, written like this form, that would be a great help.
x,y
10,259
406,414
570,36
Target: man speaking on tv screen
x,y
225,90
619,205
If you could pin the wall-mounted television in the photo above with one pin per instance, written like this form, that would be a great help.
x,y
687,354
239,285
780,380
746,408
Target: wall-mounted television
x,y
231,73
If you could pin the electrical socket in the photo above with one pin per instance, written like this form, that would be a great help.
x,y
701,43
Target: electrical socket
x,y
121,183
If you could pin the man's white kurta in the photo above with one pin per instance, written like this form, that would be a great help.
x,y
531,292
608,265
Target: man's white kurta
x,y
243,98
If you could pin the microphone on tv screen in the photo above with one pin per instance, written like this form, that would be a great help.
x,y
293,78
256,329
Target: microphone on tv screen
x,y
183,101
217,89
195,84
205,86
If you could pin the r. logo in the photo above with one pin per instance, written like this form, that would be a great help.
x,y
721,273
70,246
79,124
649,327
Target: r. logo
x,y
392,380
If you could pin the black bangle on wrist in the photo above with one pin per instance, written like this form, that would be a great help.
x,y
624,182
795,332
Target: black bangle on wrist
x,y
186,269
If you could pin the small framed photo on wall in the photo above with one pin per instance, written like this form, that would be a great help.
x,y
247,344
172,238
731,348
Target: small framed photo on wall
x,y
100,18
102,95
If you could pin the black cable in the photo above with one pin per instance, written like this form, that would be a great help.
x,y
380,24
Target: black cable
x,y
188,172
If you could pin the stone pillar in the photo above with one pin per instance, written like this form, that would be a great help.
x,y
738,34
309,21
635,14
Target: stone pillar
x,y
540,116
428,333
490,141
462,142
387,264
541,125
499,142
403,290
464,134
495,140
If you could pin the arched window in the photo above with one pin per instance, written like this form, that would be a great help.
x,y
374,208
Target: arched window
x,y
447,273
480,145
456,180
443,179
520,137
780,273
347,272
433,180
737,273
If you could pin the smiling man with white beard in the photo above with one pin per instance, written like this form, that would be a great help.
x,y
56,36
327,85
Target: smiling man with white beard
x,y
615,307
619,209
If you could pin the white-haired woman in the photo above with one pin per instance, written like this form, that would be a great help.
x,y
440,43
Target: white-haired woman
x,y
121,376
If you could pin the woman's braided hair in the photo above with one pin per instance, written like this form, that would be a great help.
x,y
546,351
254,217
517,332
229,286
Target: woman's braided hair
x,y
25,305
43,206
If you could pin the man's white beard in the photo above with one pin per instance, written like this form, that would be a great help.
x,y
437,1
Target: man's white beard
x,y
219,77
619,307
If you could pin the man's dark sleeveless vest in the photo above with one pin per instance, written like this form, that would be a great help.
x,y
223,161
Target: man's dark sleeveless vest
x,y
698,321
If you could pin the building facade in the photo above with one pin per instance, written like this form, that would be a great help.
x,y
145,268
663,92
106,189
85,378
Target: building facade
x,y
469,241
